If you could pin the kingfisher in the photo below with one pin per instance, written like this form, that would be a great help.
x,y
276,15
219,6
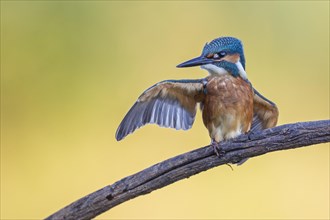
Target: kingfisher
x,y
230,105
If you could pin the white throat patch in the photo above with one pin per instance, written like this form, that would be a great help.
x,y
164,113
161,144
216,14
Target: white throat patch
x,y
215,70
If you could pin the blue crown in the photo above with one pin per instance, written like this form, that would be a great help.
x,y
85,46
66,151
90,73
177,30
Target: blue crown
x,y
230,45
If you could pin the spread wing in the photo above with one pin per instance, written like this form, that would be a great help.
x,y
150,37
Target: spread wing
x,y
170,103
265,112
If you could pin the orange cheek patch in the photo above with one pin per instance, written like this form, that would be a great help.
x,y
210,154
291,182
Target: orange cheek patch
x,y
233,58
210,55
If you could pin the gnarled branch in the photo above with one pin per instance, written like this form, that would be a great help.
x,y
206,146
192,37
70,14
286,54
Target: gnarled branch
x,y
185,165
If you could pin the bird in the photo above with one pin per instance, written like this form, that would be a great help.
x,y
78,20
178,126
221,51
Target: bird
x,y
230,105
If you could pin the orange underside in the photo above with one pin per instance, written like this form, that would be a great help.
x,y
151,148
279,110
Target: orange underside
x,y
228,107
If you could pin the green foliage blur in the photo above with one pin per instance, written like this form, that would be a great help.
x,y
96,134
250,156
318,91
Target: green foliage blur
x,y
70,70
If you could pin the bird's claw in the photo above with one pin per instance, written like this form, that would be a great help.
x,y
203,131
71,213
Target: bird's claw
x,y
217,150
250,134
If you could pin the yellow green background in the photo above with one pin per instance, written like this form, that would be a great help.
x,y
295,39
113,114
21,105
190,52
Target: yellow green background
x,y
70,70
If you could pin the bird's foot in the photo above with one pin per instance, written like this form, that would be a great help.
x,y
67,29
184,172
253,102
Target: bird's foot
x,y
217,150
250,134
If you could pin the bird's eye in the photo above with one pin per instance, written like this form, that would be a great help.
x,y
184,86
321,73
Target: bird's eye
x,y
219,55
222,54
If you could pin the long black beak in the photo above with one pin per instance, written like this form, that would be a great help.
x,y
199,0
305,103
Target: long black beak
x,y
195,62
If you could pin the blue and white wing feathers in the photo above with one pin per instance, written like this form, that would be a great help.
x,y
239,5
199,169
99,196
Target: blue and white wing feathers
x,y
170,103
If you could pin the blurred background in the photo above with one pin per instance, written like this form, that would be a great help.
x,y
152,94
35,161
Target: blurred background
x,y
71,70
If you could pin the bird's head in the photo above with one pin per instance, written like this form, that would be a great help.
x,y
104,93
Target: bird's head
x,y
221,56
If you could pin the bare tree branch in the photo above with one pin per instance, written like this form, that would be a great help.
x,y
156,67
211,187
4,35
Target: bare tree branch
x,y
185,165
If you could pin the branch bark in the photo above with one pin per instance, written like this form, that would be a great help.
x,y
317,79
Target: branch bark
x,y
185,165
